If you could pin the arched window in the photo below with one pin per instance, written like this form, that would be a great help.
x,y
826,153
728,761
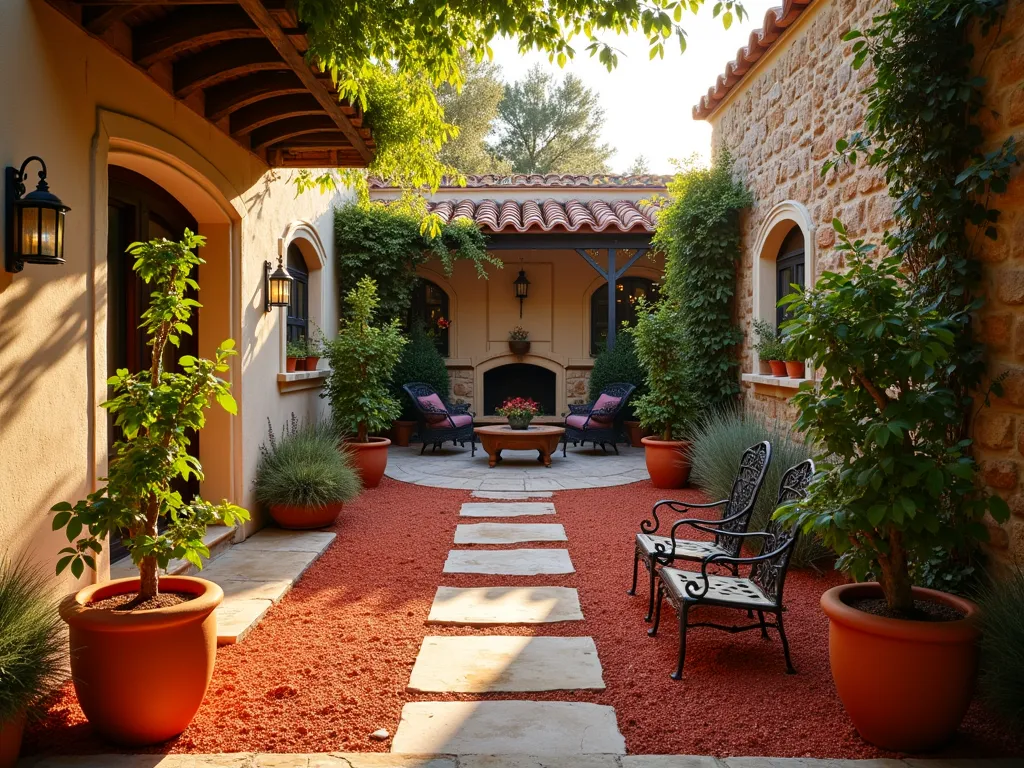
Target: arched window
x,y
430,307
298,309
789,269
628,290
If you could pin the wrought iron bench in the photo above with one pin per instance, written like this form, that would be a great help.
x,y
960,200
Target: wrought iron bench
x,y
438,422
761,591
728,530
599,422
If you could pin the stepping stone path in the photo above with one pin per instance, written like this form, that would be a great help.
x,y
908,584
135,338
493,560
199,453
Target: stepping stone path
x,y
502,663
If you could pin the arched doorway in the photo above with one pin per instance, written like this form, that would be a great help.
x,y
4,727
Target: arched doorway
x,y
429,305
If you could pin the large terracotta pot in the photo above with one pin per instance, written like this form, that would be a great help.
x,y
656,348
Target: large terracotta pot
x,y
402,431
300,517
10,739
778,368
905,684
668,462
369,459
140,677
795,369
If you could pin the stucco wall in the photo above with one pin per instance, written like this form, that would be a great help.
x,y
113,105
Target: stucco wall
x,y
79,106
782,122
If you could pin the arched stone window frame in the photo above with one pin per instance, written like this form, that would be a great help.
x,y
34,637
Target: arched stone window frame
x,y
773,231
305,236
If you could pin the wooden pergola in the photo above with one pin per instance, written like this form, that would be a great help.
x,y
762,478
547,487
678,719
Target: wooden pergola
x,y
240,64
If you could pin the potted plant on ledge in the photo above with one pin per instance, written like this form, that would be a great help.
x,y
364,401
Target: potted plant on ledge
x,y
770,348
519,341
295,353
671,401
119,628
363,358
896,486
519,411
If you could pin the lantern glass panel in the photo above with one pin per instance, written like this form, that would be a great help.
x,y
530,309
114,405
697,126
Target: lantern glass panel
x,y
29,231
280,292
48,242
60,235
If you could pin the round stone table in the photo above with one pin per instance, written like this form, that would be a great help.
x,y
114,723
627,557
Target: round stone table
x,y
544,440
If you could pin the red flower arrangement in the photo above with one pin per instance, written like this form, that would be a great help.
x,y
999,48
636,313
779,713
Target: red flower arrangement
x,y
518,408
443,324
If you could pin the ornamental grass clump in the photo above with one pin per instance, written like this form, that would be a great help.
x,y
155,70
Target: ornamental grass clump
x,y
304,468
32,644
1002,647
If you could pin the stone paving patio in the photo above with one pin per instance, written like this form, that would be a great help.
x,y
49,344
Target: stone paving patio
x,y
453,467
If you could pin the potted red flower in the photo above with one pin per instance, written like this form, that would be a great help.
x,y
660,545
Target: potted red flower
x,y
519,411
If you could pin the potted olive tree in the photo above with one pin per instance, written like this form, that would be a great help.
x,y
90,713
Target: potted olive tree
x,y
894,487
118,628
363,359
671,401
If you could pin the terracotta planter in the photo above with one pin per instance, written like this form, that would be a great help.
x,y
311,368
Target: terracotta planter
x,y
519,347
113,656
905,684
291,364
311,363
10,740
668,462
369,459
300,518
636,433
778,368
402,431
795,369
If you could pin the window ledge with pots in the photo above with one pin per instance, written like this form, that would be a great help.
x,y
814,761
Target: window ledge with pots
x,y
296,381
768,380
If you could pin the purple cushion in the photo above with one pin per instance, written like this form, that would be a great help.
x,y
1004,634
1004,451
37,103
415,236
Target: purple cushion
x,y
577,420
462,419
603,402
433,403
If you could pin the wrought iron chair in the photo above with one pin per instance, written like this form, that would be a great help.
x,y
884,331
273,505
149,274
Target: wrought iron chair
x,y
761,591
652,550
438,422
599,422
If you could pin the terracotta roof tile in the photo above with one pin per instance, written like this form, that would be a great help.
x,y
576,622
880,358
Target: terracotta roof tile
x,y
552,215
776,20
596,181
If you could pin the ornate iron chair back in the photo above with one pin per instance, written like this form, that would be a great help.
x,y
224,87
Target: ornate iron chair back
x,y
770,574
753,467
418,389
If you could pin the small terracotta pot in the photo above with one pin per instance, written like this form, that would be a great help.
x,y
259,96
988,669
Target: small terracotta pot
x,y
668,462
10,739
300,518
778,368
402,431
636,433
519,347
369,460
795,369
291,364
113,653
906,685
312,362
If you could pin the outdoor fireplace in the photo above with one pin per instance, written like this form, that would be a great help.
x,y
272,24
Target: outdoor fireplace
x,y
519,380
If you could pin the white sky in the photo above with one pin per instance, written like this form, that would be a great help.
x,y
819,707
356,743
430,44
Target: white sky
x,y
648,103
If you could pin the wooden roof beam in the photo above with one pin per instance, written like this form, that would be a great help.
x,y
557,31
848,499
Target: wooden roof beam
x,y
189,28
227,61
248,119
222,100
292,127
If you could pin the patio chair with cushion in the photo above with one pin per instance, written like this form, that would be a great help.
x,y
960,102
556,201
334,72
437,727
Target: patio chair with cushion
x,y
761,591
599,422
438,422
652,550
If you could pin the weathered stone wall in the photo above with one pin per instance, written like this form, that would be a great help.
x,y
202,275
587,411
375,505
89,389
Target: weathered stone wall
x,y
782,123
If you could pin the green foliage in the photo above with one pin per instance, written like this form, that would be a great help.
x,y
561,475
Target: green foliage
x,y
363,358
719,439
386,244
769,344
883,413
639,167
518,334
699,233
420,361
672,400
156,410
297,349
957,571
305,468
619,363
32,644
1002,647
549,127
473,110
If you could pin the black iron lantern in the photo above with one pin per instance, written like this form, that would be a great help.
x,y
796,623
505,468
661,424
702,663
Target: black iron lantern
x,y
35,222
277,287
522,289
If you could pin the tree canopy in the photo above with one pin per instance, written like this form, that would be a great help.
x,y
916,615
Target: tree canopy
x,y
473,110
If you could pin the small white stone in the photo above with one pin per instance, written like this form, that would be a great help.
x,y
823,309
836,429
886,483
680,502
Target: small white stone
x,y
381,734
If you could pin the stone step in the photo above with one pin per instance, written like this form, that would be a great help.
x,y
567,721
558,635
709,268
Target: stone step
x,y
511,495
482,606
508,727
499,663
508,533
509,562
507,509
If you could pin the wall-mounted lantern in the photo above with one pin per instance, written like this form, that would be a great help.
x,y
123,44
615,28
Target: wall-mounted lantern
x,y
277,287
522,289
34,222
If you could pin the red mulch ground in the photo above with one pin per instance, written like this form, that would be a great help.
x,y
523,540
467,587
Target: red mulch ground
x,y
329,665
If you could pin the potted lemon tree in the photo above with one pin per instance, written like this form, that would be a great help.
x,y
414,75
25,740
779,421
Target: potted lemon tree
x,y
119,627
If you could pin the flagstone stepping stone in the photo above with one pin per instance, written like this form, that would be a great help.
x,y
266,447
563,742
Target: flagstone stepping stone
x,y
504,605
552,761
508,727
492,663
508,533
509,562
511,495
508,509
